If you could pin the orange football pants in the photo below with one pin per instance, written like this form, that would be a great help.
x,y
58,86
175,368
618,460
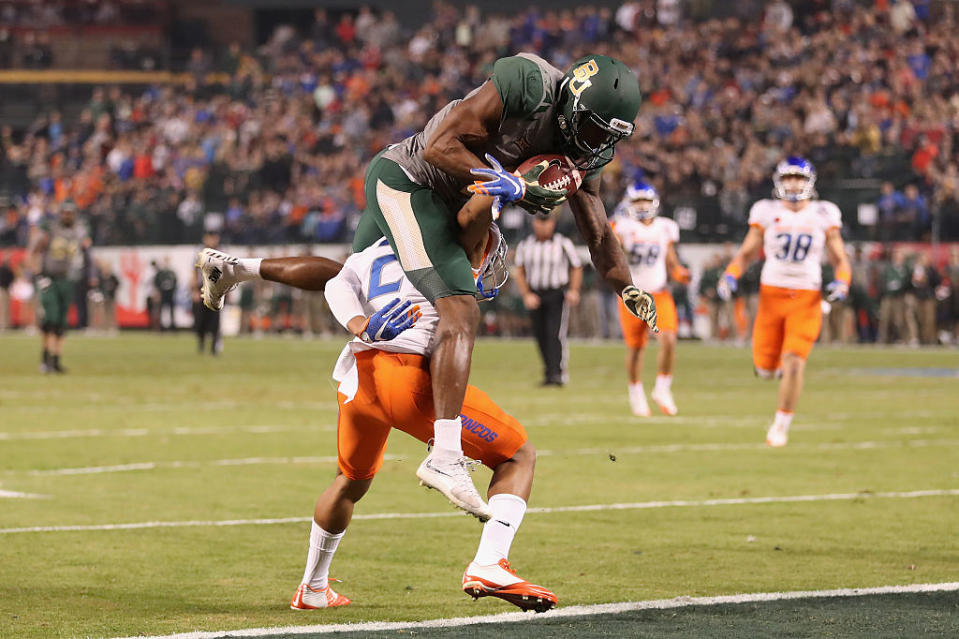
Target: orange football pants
x,y
788,321
395,391
635,331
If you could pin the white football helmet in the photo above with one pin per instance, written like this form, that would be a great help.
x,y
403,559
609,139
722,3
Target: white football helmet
x,y
641,201
494,271
795,166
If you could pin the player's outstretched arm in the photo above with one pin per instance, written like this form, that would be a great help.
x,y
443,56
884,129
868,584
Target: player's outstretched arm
x,y
605,249
677,271
469,123
606,252
838,289
344,294
747,252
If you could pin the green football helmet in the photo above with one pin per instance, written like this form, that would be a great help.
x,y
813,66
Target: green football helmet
x,y
598,101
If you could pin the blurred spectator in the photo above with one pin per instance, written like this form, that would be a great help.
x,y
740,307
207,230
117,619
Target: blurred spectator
x,y
164,282
6,279
37,53
915,219
108,283
720,313
952,273
921,300
890,205
892,310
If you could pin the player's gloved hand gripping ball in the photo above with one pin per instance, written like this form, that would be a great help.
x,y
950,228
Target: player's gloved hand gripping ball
x,y
641,304
388,322
508,187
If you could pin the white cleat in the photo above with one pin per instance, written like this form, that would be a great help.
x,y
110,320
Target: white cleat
x,y
664,399
451,476
777,436
639,406
308,598
219,277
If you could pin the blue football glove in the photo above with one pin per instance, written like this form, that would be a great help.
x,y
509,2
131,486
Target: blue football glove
x,y
509,187
500,183
388,322
837,291
726,287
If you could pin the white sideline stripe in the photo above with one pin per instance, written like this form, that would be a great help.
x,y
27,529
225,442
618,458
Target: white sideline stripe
x,y
143,432
571,419
569,611
611,450
12,494
682,503
247,461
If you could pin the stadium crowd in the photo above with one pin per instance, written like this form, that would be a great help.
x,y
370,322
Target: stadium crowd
x,y
269,146
273,147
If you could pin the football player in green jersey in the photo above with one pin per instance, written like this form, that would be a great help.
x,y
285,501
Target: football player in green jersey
x,y
415,189
56,251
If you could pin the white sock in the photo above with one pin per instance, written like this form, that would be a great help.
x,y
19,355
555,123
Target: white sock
x,y
447,436
248,268
635,390
784,418
664,382
322,548
498,532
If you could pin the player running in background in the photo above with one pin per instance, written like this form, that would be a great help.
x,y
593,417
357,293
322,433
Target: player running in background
x,y
649,243
793,230
56,251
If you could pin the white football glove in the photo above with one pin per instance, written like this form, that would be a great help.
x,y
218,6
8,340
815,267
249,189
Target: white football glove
x,y
726,287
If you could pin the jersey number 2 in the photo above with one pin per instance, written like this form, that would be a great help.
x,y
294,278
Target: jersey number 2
x,y
377,286
798,249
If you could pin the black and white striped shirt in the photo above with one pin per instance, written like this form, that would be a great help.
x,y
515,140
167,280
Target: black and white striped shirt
x,y
547,263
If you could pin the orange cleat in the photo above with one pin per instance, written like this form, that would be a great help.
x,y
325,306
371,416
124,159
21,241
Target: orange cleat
x,y
499,580
307,598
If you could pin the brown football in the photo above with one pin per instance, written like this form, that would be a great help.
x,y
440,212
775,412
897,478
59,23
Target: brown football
x,y
560,175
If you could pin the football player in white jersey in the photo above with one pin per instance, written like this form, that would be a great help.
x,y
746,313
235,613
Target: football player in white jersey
x,y
794,230
384,383
649,243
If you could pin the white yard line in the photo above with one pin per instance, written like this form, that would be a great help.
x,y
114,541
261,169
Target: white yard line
x,y
154,465
12,494
569,611
682,503
144,432
608,450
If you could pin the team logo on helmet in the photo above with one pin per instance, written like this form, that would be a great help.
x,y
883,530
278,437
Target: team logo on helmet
x,y
641,201
581,77
592,122
795,166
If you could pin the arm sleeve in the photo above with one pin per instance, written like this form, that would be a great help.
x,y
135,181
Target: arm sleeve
x,y
833,216
756,215
519,83
673,232
571,255
344,295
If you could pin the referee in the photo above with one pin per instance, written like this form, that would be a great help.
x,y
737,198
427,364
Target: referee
x,y
549,276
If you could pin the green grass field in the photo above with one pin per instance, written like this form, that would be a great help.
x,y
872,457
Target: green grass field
x,y
176,437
